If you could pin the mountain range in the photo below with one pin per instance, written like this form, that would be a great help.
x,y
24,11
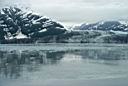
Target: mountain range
x,y
104,26
22,26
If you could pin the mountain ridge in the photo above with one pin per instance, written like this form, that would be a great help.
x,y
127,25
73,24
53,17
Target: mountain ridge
x,y
19,26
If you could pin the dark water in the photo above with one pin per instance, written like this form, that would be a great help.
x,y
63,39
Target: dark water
x,y
58,64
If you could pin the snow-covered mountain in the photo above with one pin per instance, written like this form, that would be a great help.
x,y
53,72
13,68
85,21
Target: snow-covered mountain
x,y
100,32
104,26
16,23
21,26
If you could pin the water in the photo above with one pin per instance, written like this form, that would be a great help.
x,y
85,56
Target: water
x,y
63,64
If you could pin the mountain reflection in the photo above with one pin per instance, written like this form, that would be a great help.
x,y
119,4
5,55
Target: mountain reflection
x,y
14,63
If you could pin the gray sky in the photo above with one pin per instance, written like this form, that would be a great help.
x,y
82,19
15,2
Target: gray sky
x,y
72,12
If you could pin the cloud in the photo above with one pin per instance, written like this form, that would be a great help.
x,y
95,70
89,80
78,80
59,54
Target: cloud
x,y
80,3
78,10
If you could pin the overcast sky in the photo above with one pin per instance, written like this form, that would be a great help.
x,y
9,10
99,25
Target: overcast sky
x,y
72,12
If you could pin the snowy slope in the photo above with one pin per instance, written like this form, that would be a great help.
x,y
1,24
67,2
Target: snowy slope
x,y
15,22
104,26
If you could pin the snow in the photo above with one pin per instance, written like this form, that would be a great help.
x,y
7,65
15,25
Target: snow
x,y
30,18
3,25
47,23
34,13
2,12
43,30
6,29
21,36
119,32
26,25
96,26
60,28
126,29
35,22
9,18
42,18
45,17
101,23
29,12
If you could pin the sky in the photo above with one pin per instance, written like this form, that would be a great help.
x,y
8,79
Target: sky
x,y
71,12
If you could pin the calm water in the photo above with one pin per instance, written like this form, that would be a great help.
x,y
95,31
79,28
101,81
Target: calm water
x,y
49,64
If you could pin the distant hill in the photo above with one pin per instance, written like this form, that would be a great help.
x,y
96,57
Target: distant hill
x,y
101,32
104,26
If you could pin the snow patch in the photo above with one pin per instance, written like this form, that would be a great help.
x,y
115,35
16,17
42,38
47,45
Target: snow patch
x,y
43,30
21,36
119,32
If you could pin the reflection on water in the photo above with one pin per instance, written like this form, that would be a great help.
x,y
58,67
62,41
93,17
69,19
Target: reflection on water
x,y
12,62
87,62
